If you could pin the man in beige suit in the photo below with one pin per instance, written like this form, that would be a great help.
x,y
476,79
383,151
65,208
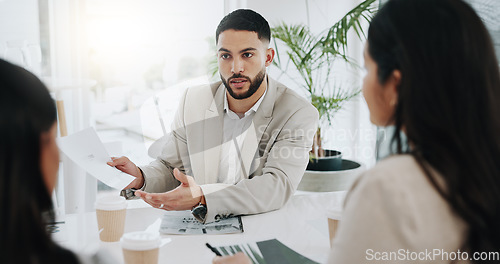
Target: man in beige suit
x,y
244,141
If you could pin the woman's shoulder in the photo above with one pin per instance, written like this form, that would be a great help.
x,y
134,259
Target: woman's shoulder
x,y
397,192
395,171
399,182
402,164
394,206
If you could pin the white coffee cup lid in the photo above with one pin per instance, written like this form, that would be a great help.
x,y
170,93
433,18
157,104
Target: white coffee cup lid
x,y
111,203
140,240
334,213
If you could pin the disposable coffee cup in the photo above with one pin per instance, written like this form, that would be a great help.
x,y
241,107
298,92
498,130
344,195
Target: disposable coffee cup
x,y
140,247
110,212
333,216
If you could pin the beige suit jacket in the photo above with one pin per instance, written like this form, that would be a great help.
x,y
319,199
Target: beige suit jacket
x,y
273,156
393,214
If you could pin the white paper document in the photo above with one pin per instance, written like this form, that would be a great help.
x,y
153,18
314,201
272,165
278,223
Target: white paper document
x,y
86,149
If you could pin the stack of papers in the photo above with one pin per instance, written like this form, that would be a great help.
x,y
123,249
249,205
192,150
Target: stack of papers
x,y
268,251
183,223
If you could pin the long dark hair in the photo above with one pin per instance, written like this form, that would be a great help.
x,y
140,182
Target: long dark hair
x,y
448,104
26,111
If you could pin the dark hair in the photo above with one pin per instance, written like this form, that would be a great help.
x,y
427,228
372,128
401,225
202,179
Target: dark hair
x,y
26,111
448,103
244,19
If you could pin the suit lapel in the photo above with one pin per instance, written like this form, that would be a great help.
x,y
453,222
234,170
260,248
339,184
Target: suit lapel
x,y
212,137
261,120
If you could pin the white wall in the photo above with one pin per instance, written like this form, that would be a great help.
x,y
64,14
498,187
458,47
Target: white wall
x,y
322,13
19,20
19,32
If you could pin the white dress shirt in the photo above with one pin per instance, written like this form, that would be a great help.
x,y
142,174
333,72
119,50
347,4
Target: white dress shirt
x,y
234,131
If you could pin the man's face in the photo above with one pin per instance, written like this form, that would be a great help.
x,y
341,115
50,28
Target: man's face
x,y
242,60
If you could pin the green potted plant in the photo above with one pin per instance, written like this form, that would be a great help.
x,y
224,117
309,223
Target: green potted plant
x,y
312,57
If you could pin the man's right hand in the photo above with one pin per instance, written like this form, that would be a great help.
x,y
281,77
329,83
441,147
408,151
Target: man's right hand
x,y
127,166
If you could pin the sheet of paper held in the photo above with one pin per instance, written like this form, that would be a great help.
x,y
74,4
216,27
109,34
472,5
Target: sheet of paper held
x,y
86,149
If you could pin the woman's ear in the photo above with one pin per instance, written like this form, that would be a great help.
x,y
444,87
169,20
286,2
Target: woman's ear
x,y
392,87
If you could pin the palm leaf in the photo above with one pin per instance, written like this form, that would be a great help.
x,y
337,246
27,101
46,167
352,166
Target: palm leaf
x,y
313,57
335,40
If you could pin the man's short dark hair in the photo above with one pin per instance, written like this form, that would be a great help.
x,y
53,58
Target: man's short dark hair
x,y
244,19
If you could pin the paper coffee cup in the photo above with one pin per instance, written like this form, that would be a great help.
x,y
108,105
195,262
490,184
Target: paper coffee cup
x,y
333,223
140,247
110,212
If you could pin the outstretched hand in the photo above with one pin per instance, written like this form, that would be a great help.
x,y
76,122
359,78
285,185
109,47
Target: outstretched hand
x,y
127,166
184,197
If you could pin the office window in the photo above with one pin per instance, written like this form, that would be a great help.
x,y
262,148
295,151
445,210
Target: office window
x,y
141,49
126,52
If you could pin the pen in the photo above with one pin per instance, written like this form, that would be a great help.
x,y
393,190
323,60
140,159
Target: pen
x,y
213,249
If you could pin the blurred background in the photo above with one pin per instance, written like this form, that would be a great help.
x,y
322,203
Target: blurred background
x,y
120,66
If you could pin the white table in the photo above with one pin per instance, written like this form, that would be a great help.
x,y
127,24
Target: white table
x,y
301,225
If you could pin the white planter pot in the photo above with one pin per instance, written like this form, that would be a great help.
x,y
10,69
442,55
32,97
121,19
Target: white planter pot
x,y
330,181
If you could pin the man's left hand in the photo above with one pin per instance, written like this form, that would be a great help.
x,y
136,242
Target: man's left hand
x,y
184,197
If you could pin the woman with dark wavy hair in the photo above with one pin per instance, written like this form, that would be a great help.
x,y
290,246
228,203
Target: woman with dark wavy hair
x,y
29,161
431,72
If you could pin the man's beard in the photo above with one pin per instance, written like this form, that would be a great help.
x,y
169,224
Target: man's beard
x,y
254,84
